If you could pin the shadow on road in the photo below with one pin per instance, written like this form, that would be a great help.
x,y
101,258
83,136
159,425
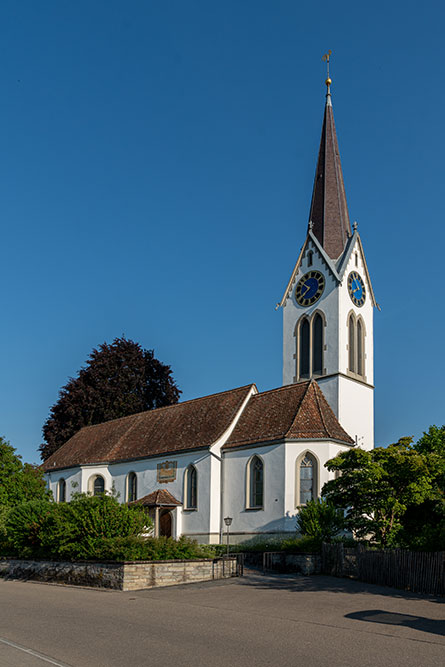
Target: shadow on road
x,y
321,583
405,620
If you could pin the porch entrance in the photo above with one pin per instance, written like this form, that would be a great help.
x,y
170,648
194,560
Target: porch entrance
x,y
165,523
163,508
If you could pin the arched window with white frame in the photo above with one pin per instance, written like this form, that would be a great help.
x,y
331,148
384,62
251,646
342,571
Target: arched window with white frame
x,y
304,356
132,487
61,491
356,345
309,333
351,331
306,478
255,483
191,488
360,360
96,485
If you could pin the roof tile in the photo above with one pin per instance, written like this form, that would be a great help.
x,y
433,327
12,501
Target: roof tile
x,y
189,425
296,411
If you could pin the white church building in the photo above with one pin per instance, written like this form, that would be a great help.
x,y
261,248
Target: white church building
x,y
255,457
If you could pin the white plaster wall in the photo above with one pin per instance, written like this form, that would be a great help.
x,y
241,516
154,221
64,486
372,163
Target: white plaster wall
x,y
192,521
292,311
356,411
216,464
88,472
72,477
352,401
247,521
322,451
366,312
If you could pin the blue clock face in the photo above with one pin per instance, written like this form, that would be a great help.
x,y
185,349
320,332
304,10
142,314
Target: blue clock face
x,y
310,288
356,289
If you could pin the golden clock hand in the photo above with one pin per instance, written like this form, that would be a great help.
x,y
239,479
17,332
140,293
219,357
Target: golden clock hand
x,y
308,287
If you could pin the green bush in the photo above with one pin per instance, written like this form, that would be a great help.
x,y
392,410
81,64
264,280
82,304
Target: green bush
x,y
88,528
30,529
304,544
95,527
320,519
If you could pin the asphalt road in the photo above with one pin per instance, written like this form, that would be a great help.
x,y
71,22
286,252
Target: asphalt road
x,y
250,622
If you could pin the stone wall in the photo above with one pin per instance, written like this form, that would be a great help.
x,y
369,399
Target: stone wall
x,y
125,576
281,561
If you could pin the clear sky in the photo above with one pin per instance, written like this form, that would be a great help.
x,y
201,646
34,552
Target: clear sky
x,y
156,171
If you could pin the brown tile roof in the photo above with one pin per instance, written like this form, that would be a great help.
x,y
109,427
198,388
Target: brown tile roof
x,y
296,411
159,498
189,425
329,209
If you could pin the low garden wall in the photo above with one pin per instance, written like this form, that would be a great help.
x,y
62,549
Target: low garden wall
x,y
282,561
124,576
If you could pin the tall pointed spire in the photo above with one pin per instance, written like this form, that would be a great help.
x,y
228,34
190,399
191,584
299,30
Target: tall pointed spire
x,y
329,210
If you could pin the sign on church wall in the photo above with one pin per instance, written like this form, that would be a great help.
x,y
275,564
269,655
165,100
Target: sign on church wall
x,y
167,471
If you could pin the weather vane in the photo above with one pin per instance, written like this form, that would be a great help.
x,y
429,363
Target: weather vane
x,y
326,58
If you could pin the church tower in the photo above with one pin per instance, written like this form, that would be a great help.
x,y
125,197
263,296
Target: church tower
x,y
328,303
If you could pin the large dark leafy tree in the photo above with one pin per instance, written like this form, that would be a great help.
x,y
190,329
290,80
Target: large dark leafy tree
x,y
118,380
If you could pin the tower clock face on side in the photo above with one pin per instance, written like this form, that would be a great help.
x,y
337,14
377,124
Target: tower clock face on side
x,y
356,289
309,288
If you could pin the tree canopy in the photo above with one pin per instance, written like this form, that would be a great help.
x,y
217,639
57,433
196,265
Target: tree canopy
x,y
19,481
119,379
376,488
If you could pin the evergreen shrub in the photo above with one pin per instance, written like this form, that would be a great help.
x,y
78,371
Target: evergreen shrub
x,y
89,528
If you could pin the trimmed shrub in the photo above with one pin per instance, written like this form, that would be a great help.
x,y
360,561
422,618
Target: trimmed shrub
x,y
320,519
96,527
30,529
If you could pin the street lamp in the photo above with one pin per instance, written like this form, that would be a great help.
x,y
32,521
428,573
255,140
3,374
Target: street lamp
x,y
228,521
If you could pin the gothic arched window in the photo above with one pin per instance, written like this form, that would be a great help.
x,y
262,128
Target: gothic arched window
x,y
132,487
61,491
356,345
307,475
360,347
351,327
310,346
317,345
304,348
255,483
191,488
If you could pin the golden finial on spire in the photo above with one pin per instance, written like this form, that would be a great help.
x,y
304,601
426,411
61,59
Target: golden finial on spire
x,y
326,58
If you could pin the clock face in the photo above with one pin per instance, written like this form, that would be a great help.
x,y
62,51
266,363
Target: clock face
x,y
310,288
356,289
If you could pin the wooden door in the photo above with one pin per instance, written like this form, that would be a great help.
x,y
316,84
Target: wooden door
x,y
166,523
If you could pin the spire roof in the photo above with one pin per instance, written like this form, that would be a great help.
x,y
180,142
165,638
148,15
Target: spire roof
x,y
329,217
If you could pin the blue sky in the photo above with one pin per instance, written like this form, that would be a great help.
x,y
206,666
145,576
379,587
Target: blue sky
x,y
156,171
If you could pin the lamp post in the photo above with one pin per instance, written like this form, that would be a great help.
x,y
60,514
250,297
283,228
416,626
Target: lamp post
x,y
228,521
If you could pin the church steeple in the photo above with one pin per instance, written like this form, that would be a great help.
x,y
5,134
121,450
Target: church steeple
x,y
328,217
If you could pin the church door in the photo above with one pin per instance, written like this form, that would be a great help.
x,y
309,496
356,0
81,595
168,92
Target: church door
x,y
166,524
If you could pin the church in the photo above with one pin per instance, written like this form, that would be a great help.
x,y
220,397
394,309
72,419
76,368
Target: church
x,y
255,457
